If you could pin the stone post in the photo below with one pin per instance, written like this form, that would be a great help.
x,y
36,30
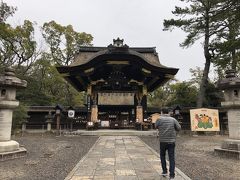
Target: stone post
x,y
8,84
231,87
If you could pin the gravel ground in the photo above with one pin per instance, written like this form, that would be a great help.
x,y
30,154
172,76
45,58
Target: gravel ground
x,y
49,157
195,157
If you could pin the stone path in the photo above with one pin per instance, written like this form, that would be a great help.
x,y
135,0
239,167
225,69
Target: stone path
x,y
120,158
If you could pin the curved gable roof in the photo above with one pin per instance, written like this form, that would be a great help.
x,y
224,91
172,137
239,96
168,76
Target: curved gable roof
x,y
90,58
87,54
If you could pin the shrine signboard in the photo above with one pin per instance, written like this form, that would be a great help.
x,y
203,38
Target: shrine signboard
x,y
115,98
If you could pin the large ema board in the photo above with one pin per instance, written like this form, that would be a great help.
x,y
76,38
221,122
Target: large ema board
x,y
204,119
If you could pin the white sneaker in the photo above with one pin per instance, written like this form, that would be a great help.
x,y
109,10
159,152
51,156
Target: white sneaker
x,y
164,174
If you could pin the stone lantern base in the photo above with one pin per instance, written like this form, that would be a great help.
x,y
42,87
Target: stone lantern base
x,y
229,148
11,150
8,84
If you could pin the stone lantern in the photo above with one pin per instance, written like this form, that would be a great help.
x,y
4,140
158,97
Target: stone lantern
x,y
49,121
177,114
24,124
8,84
231,87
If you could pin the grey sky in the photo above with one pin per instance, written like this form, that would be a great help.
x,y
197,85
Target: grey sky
x,y
138,22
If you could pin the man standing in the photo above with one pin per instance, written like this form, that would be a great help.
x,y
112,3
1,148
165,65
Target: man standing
x,y
167,127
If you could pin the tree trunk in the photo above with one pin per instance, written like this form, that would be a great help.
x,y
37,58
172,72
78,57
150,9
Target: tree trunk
x,y
232,38
234,61
203,85
204,81
69,95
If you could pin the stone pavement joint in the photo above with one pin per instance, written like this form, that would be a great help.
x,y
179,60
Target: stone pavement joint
x,y
120,158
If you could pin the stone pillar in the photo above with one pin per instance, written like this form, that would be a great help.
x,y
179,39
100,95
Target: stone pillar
x,y
234,123
8,85
231,87
49,127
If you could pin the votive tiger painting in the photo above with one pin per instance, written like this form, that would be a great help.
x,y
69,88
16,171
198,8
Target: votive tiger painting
x,y
204,119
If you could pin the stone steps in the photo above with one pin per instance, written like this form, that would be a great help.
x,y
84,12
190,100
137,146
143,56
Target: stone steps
x,y
108,132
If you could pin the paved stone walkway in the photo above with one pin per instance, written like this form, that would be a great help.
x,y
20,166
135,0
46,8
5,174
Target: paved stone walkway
x,y
120,158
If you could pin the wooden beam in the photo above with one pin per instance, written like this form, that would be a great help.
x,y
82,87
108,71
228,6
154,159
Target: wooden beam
x,y
152,81
74,83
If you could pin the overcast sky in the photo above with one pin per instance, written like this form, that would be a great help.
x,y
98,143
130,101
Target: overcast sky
x,y
138,22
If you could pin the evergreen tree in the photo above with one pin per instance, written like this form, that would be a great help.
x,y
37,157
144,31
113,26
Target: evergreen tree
x,y
227,44
197,20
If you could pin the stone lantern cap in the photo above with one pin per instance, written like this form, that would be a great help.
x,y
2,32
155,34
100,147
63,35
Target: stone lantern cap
x,y
26,119
230,81
8,79
49,118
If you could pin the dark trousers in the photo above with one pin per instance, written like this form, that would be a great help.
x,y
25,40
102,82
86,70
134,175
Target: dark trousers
x,y
170,147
